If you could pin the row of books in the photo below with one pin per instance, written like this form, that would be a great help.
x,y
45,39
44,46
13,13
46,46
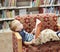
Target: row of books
x,y
27,11
10,3
51,2
6,3
52,10
7,14
10,14
4,25
45,2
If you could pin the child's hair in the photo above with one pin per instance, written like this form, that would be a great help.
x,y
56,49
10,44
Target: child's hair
x,y
13,24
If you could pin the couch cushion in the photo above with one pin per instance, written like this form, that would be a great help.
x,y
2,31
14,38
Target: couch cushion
x,y
49,21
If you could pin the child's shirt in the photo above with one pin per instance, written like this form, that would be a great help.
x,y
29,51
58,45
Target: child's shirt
x,y
58,33
26,36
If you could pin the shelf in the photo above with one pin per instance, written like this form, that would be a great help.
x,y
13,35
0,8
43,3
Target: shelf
x,y
2,8
49,5
6,19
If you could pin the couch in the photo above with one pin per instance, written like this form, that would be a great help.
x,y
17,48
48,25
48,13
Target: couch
x,y
49,21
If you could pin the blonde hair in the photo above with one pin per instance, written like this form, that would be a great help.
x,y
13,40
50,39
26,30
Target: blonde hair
x,y
13,25
58,24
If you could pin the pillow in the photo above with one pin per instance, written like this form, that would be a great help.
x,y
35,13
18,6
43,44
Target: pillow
x,y
38,27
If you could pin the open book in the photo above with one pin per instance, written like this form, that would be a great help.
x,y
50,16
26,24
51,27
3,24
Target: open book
x,y
37,28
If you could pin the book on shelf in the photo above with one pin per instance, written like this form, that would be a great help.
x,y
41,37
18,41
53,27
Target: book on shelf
x,y
51,2
5,25
23,3
7,3
3,14
58,1
33,3
0,3
22,12
0,25
0,14
34,12
8,14
13,3
37,3
46,2
51,10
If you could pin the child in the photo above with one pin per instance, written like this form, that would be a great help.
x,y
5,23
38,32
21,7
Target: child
x,y
27,38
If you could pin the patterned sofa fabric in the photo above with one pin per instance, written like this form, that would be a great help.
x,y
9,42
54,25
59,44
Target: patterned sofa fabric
x,y
29,21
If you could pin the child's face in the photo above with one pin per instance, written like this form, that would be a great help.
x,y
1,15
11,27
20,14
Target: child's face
x,y
19,26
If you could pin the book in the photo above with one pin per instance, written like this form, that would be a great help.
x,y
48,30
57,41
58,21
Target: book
x,y
51,10
5,25
37,28
23,3
13,14
4,14
22,12
0,14
34,12
37,3
0,3
0,25
58,1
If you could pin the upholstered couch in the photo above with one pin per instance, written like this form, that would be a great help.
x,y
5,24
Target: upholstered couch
x,y
49,21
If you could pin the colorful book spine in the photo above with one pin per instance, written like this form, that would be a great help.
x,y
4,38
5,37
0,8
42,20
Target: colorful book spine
x,y
37,3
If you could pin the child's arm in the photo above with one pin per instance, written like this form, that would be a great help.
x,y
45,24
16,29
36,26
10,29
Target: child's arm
x,y
33,31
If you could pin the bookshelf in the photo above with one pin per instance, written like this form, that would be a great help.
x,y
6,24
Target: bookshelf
x,y
10,8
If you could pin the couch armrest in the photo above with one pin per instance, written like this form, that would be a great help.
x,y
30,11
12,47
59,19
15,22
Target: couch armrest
x,y
19,41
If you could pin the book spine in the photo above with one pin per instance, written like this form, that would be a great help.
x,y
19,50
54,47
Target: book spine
x,y
13,13
37,2
0,3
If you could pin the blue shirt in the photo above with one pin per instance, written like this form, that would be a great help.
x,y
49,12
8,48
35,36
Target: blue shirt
x,y
26,36
58,33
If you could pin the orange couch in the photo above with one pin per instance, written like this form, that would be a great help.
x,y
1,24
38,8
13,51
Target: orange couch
x,y
49,21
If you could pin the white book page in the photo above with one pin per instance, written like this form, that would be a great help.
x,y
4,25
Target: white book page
x,y
37,22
